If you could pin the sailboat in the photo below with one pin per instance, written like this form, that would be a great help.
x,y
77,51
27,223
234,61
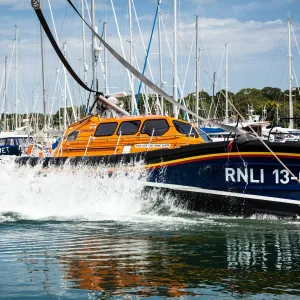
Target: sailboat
x,y
243,176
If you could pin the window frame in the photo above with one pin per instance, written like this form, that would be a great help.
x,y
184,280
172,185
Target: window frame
x,y
138,128
194,131
116,123
149,120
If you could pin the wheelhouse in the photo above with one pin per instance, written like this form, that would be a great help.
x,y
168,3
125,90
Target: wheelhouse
x,y
94,136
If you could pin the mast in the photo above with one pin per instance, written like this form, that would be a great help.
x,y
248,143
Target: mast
x,y
160,62
175,112
43,76
197,68
213,89
226,89
85,67
65,87
131,52
5,94
105,59
291,124
16,77
94,60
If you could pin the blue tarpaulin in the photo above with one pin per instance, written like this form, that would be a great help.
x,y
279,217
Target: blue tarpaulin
x,y
212,130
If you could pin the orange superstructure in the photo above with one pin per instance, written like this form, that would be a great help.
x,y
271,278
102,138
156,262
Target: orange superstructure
x,y
95,136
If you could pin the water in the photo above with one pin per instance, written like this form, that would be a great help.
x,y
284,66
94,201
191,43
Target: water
x,y
85,234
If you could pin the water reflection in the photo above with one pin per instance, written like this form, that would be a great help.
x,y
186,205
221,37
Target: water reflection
x,y
226,261
104,259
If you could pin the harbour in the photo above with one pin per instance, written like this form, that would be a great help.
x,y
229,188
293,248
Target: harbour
x,y
97,236
178,256
140,169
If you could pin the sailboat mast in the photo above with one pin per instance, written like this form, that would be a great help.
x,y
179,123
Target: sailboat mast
x,y
85,68
197,68
94,60
43,75
65,87
131,51
105,59
16,77
160,61
291,124
226,89
5,94
213,90
175,113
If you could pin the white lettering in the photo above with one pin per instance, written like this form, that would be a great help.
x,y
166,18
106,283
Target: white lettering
x,y
229,173
262,176
276,173
286,177
4,150
241,175
252,177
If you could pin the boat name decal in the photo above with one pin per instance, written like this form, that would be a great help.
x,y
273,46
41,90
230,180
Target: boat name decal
x,y
87,130
249,175
4,150
152,145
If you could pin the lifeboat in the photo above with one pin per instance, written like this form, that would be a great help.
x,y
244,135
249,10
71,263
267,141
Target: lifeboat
x,y
96,136
239,175
235,176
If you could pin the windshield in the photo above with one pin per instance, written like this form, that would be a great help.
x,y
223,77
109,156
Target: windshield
x,y
185,128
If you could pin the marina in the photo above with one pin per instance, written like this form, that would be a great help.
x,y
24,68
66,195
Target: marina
x,y
171,184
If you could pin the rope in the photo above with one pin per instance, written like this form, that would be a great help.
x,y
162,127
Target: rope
x,y
38,11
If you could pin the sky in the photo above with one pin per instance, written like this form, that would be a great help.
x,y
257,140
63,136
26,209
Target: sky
x,y
255,31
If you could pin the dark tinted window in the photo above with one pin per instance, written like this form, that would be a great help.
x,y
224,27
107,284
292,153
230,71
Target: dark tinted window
x,y
155,127
72,136
129,127
185,128
10,142
104,129
203,135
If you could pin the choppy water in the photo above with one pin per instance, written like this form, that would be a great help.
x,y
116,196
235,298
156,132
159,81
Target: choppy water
x,y
83,234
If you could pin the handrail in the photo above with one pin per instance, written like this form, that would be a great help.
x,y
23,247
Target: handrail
x,y
151,139
87,145
118,142
188,140
124,138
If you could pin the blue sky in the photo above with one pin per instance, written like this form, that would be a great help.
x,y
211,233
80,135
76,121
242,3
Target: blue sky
x,y
255,30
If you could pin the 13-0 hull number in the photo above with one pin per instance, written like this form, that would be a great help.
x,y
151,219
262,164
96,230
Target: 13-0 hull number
x,y
249,175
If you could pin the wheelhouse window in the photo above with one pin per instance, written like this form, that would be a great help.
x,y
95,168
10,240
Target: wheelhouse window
x,y
203,135
155,127
185,128
2,142
72,136
106,129
10,142
129,127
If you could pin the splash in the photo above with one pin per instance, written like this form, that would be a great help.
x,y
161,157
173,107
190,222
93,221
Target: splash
x,y
83,193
